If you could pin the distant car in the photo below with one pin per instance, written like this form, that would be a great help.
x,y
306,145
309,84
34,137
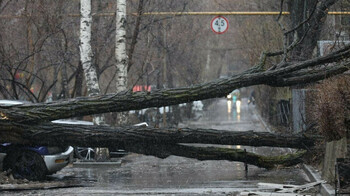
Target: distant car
x,y
32,162
234,95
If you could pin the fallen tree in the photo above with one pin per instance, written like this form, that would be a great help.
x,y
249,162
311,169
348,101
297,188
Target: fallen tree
x,y
163,142
25,124
122,137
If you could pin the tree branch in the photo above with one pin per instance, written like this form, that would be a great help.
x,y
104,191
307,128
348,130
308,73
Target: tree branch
x,y
215,153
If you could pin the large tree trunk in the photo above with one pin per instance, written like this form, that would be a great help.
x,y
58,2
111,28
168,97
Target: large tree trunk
x,y
126,137
163,142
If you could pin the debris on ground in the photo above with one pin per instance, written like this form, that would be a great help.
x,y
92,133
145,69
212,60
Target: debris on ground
x,y
283,189
9,183
7,178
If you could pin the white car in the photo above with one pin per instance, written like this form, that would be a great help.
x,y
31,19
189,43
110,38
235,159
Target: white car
x,y
33,162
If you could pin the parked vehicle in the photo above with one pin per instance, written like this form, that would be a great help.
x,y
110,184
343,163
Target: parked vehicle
x,y
88,153
32,162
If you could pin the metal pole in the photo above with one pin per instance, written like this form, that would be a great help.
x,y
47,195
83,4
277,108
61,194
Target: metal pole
x,y
164,69
213,13
245,163
228,13
108,14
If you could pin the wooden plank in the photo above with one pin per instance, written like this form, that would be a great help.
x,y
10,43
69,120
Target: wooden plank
x,y
276,186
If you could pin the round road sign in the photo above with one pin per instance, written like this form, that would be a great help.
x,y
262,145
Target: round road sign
x,y
219,24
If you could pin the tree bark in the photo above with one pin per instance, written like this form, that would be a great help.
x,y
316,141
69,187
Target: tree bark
x,y
85,48
120,46
86,54
90,70
51,134
120,54
163,142
289,74
216,153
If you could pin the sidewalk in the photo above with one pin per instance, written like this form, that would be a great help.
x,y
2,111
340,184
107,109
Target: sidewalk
x,y
314,175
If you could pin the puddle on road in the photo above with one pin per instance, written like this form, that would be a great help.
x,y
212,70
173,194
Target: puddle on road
x,y
147,172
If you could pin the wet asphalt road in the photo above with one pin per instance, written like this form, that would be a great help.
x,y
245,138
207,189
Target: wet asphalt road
x,y
146,175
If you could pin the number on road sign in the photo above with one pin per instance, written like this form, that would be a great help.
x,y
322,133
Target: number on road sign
x,y
219,24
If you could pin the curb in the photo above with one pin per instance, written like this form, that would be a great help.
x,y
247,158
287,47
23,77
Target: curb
x,y
92,163
262,121
325,189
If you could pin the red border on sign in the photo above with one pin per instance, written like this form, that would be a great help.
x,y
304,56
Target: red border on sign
x,y
211,25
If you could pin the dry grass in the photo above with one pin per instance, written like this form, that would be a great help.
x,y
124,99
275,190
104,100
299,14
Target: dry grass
x,y
333,107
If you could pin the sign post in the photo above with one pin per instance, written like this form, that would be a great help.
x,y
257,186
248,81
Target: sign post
x,y
219,25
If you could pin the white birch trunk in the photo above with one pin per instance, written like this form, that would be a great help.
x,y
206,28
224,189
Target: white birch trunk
x,y
120,46
85,48
89,70
120,53
86,53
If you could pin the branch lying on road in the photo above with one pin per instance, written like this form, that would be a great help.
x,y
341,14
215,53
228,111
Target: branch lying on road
x,y
215,153
39,185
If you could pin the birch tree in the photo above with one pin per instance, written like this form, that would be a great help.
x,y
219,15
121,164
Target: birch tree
x,y
120,46
86,61
120,53
86,52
